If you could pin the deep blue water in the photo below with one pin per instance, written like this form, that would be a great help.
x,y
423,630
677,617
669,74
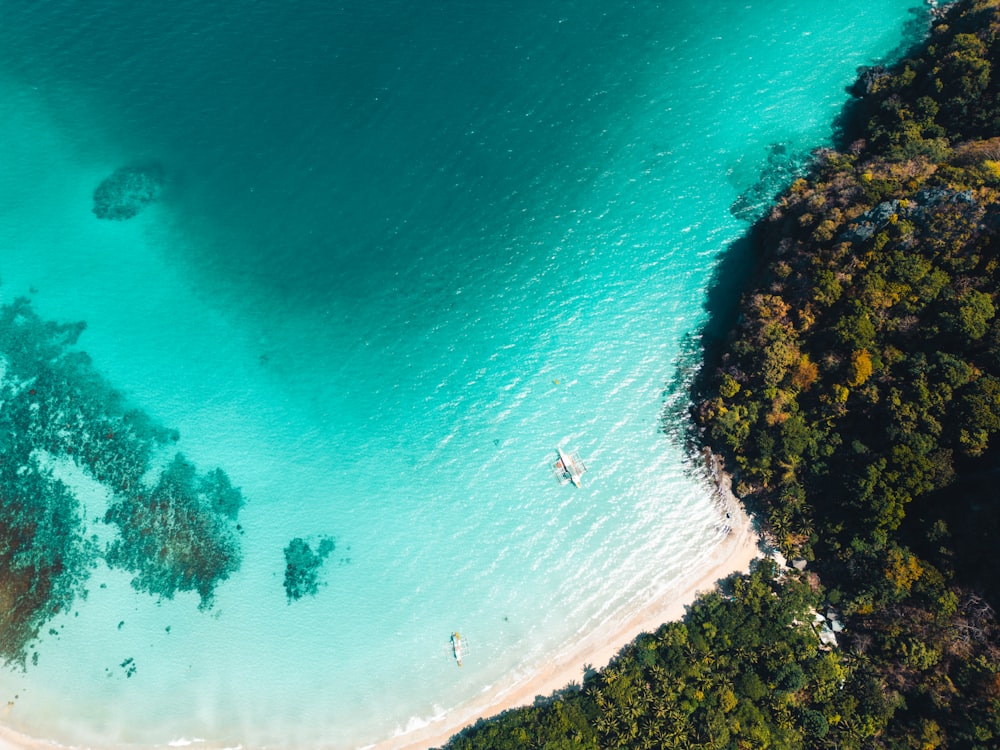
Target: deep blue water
x,y
402,251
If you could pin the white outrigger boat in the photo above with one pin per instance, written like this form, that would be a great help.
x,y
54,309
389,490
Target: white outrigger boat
x,y
569,467
457,647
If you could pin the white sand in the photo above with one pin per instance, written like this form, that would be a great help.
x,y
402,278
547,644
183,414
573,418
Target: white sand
x,y
733,554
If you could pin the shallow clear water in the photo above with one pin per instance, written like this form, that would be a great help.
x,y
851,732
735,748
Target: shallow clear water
x,y
403,251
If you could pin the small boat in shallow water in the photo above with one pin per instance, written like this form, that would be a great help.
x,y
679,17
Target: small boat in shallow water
x,y
456,647
569,467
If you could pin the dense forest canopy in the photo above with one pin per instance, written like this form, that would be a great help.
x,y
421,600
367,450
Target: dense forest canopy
x,y
856,399
858,396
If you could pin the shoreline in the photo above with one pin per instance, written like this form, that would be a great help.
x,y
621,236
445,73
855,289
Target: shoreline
x,y
732,554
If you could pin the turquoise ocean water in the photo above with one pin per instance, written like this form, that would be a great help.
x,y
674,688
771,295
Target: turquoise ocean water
x,y
403,251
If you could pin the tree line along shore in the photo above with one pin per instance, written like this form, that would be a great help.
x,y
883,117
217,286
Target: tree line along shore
x,y
854,397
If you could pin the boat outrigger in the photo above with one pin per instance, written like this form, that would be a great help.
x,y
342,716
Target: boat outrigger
x,y
456,647
569,467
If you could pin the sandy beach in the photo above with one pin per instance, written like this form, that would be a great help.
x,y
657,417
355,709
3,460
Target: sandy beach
x,y
733,554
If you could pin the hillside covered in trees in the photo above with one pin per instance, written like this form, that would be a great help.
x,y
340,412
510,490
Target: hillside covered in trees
x,y
859,394
855,398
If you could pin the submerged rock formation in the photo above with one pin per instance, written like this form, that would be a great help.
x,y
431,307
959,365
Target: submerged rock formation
x,y
783,165
44,557
180,535
127,191
302,566
177,535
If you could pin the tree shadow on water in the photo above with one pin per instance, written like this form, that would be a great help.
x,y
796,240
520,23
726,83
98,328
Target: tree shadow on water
x,y
737,266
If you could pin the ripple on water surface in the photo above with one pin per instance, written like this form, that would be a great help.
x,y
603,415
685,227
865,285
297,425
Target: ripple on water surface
x,y
397,256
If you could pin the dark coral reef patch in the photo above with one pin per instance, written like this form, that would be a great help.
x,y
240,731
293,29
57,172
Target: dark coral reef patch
x,y
178,535
127,191
44,557
302,567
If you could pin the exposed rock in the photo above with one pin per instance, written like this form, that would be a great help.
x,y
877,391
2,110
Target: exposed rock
x,y
937,195
869,79
916,209
783,165
857,232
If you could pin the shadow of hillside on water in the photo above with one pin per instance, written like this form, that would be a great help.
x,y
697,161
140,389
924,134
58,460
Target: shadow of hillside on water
x,y
740,265
737,270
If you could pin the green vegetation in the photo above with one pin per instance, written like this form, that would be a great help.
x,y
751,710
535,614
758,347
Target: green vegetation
x,y
856,399
745,669
858,396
